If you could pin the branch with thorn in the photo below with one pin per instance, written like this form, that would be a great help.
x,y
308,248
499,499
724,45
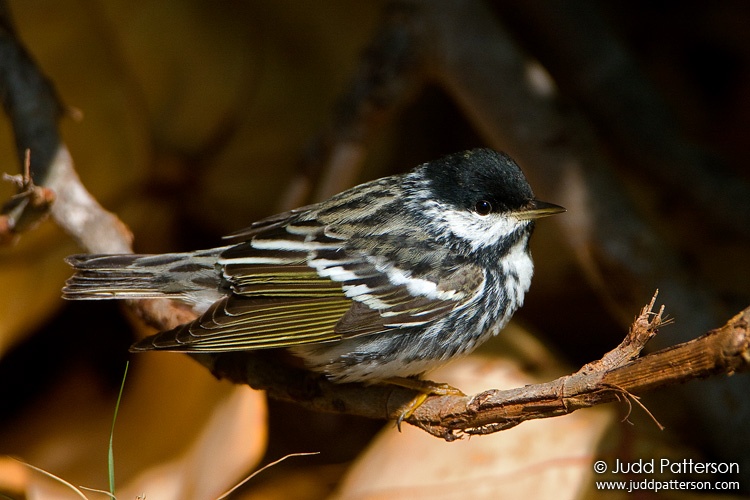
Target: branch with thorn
x,y
621,374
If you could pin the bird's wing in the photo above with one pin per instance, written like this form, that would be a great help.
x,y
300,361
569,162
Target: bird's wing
x,y
296,282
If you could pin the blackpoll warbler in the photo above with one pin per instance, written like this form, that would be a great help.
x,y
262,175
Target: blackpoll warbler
x,y
387,279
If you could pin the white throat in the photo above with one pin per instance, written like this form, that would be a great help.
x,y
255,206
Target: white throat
x,y
478,230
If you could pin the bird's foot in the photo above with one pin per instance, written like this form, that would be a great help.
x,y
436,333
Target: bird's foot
x,y
425,388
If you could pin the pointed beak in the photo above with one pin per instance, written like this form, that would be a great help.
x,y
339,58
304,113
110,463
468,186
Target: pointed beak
x,y
536,209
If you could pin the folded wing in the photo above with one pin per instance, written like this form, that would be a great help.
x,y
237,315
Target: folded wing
x,y
295,282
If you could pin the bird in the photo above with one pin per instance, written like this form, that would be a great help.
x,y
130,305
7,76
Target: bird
x,y
378,284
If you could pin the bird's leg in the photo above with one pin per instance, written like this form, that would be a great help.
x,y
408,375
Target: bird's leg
x,y
425,388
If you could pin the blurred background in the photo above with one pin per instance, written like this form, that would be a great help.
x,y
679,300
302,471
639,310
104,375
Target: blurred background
x,y
191,119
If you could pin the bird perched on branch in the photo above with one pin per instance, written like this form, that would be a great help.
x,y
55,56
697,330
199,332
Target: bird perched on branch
x,y
381,282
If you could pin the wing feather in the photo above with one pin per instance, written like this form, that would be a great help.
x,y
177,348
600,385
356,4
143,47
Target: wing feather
x,y
294,281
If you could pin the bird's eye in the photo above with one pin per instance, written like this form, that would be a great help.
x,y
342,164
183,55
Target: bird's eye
x,y
483,207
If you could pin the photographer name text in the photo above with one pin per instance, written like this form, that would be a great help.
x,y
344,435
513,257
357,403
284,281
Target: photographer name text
x,y
665,465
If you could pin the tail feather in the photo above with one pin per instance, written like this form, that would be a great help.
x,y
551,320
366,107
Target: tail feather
x,y
188,276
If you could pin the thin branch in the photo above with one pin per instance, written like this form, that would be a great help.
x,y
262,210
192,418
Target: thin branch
x,y
722,351
30,101
27,208
642,330
628,397
49,184
263,469
60,480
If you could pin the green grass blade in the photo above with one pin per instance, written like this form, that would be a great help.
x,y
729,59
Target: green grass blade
x,y
111,455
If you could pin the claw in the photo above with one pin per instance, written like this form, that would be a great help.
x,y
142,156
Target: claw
x,y
413,405
425,388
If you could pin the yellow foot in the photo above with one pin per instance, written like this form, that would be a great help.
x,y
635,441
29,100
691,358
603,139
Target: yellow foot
x,y
425,388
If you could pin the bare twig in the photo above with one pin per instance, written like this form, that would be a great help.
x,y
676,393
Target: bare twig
x,y
28,207
641,331
33,107
60,480
621,253
725,350
262,469
30,102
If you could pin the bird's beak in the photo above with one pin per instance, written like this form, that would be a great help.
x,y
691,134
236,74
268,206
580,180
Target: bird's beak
x,y
536,209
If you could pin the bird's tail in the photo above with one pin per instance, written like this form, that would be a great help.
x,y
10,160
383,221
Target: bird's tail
x,y
187,276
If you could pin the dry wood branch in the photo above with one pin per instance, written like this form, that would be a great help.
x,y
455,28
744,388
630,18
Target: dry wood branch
x,y
97,230
619,373
641,331
27,208
49,175
725,350
621,253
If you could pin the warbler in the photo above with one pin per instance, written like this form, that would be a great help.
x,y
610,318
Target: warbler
x,y
383,281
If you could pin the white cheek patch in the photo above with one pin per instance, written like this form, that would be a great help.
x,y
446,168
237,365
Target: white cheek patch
x,y
519,263
480,231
